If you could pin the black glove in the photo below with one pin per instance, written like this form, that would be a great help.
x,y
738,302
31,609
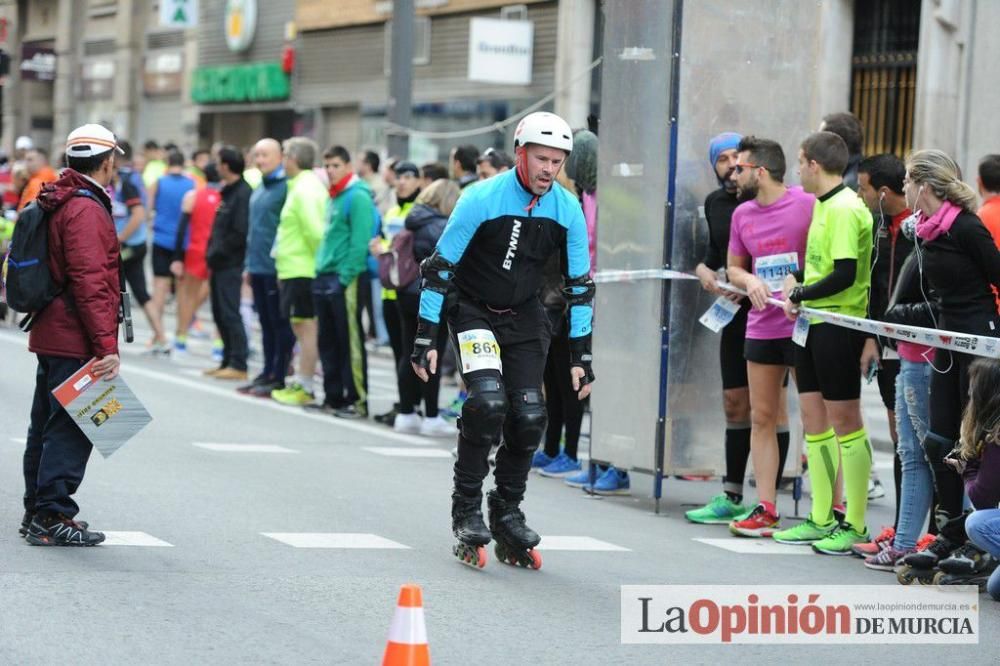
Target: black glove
x,y
423,342
580,357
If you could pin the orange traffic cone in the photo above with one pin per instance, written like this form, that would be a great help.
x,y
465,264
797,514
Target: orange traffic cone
x,y
407,644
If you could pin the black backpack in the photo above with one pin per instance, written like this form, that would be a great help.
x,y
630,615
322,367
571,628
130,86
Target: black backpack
x,y
29,283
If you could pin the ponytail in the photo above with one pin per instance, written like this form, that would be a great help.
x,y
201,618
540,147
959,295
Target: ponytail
x,y
959,193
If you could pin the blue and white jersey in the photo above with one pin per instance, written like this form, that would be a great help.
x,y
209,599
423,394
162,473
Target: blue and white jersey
x,y
500,236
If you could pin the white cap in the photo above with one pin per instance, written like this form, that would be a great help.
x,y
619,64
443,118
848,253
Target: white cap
x,y
545,129
91,140
24,143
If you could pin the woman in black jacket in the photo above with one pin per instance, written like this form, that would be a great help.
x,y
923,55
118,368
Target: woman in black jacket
x,y
426,221
960,262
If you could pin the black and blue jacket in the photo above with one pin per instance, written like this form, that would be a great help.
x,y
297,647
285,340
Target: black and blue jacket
x,y
500,236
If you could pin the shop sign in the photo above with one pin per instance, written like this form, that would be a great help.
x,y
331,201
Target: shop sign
x,y
163,73
96,79
500,51
241,24
38,62
253,82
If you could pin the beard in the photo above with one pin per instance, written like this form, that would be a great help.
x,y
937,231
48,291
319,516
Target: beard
x,y
747,193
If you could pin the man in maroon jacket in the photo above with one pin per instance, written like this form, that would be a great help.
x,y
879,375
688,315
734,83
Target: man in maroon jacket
x,y
81,323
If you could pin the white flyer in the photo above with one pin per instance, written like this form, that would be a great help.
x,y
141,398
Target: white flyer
x,y
720,314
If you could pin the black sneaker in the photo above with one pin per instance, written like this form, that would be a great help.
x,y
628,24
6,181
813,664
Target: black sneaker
x,y
321,408
350,412
389,417
29,516
60,530
264,390
259,380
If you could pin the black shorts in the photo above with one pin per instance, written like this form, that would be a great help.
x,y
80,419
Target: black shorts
x,y
830,363
731,361
887,382
134,267
162,258
780,351
296,298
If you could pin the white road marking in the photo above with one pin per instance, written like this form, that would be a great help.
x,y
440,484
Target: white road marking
x,y
134,539
243,448
578,543
401,452
748,546
333,540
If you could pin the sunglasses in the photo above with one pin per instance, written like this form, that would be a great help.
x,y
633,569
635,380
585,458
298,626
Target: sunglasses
x,y
740,168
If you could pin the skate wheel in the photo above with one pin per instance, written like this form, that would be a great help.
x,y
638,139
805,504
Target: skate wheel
x,y
903,576
536,559
939,578
480,557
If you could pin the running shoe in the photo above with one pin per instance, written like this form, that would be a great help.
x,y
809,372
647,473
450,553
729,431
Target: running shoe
x,y
875,488
887,558
294,394
436,427
612,482
841,541
582,478
407,424
804,533
351,412
876,545
561,465
760,523
60,530
231,374
719,511
541,459
925,541
30,515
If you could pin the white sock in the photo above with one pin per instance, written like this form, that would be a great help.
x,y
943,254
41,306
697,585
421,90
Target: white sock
x,y
307,384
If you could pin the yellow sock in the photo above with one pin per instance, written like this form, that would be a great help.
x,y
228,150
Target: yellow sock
x,y
821,451
856,453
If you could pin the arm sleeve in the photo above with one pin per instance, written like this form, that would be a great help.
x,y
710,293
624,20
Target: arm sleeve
x,y
578,265
458,233
982,481
975,239
842,277
362,217
93,278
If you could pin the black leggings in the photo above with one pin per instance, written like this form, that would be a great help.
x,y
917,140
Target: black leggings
x,y
561,403
133,265
949,394
411,389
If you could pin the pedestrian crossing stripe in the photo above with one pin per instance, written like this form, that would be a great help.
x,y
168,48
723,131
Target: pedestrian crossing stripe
x,y
750,546
578,543
349,540
243,448
403,452
134,539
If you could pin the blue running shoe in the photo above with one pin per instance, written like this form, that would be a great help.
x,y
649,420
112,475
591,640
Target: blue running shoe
x,y
540,460
582,478
612,482
561,465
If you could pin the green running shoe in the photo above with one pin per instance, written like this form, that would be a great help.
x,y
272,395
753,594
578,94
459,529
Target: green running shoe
x,y
719,511
805,533
294,394
841,541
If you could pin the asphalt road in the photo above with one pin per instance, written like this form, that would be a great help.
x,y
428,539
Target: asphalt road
x,y
213,576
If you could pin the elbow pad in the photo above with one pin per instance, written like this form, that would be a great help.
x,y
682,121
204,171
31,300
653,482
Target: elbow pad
x,y
437,273
579,290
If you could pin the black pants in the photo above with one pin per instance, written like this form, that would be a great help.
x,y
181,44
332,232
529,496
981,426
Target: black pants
x,y
523,335
56,454
134,267
225,285
390,312
411,389
277,336
949,395
561,403
341,343
365,302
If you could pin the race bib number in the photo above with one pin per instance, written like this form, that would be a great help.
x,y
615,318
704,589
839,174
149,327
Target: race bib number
x,y
720,314
773,268
479,350
800,334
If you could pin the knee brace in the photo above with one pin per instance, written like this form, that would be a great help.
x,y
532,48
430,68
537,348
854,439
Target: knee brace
x,y
484,412
527,420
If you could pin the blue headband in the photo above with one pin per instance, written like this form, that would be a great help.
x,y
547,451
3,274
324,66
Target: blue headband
x,y
721,143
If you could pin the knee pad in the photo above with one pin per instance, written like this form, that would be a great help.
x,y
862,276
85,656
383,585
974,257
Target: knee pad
x,y
527,419
484,412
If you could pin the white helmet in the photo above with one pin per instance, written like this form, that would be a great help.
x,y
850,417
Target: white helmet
x,y
545,129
